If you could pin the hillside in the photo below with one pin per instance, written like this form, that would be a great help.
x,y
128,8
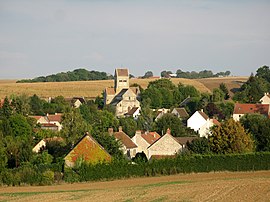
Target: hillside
x,y
94,88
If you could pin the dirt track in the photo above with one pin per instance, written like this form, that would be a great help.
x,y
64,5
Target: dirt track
x,y
238,186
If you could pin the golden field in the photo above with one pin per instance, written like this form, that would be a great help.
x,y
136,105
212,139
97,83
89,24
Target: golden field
x,y
91,89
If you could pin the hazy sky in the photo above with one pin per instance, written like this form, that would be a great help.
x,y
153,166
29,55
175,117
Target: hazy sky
x,y
44,37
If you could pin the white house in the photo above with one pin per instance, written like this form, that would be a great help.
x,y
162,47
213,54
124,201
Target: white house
x,y
134,112
265,99
165,146
242,109
144,139
201,123
42,143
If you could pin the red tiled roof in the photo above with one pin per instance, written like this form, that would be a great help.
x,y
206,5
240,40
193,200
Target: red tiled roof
x,y
121,72
216,122
55,117
151,137
251,108
125,139
110,91
48,125
203,115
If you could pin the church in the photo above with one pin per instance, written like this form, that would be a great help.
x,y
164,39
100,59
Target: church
x,y
121,96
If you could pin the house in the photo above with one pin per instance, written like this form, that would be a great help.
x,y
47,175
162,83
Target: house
x,y
180,113
201,123
161,112
121,96
50,121
134,112
242,109
42,143
77,101
265,99
166,145
88,150
144,139
128,147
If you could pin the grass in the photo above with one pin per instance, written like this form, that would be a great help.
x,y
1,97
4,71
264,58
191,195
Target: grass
x,y
91,89
165,184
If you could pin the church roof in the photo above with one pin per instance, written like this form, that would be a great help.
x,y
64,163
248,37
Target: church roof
x,y
110,91
121,72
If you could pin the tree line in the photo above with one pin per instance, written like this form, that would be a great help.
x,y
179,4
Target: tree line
x,y
76,75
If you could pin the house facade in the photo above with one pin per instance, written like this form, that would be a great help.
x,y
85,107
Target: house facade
x,y
201,123
50,121
265,99
166,145
121,96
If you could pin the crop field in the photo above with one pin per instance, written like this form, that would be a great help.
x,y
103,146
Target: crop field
x,y
223,186
90,89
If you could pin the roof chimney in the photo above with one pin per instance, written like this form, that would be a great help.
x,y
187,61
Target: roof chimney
x,y
168,131
110,131
138,132
120,129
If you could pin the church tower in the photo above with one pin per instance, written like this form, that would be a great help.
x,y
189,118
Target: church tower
x,y
121,79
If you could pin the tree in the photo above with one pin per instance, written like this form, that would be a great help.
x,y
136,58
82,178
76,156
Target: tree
x,y
20,104
36,105
148,74
6,109
224,89
162,83
173,122
199,146
264,72
259,126
154,96
218,95
214,111
129,125
230,137
165,74
3,156
146,119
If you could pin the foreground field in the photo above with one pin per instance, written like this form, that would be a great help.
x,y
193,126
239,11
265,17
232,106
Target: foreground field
x,y
92,89
237,186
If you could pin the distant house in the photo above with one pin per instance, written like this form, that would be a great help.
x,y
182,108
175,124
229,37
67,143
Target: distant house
x,y
165,146
88,150
50,121
201,123
180,113
121,96
144,139
134,112
265,99
184,140
77,101
161,112
242,109
129,148
42,143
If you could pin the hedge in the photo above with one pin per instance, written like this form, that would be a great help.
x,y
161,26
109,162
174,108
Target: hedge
x,y
181,164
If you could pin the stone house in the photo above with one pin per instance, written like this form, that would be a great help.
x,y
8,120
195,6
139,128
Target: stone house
x,y
42,143
89,150
128,147
180,113
121,96
265,99
167,145
201,123
77,101
50,121
242,109
144,139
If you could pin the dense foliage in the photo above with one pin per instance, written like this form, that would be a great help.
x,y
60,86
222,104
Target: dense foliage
x,y
201,74
76,75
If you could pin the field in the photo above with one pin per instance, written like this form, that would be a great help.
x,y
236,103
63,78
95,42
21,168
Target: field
x,y
223,186
90,89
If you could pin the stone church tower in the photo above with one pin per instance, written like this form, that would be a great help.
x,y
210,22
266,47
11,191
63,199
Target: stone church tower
x,y
121,80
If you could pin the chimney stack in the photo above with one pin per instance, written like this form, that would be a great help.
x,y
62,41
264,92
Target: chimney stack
x,y
168,131
120,129
110,131
138,132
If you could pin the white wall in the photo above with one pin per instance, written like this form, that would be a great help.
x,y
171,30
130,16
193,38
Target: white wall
x,y
196,121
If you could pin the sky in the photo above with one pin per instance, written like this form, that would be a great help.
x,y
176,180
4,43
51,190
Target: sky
x,y
38,38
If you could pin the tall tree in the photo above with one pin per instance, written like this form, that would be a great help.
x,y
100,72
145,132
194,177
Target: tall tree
x,y
230,137
224,89
6,109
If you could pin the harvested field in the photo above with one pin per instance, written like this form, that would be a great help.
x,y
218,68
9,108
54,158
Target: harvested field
x,y
224,186
232,83
77,88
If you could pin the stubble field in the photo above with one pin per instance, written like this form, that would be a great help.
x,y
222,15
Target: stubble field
x,y
224,186
91,89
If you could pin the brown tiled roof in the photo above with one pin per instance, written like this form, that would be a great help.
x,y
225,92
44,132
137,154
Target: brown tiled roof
x,y
151,137
251,108
55,117
58,139
125,139
121,72
49,125
182,112
184,140
132,111
110,91
203,115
